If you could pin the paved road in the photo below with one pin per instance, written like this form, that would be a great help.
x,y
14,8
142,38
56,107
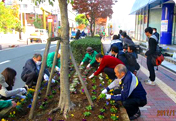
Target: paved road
x,y
16,58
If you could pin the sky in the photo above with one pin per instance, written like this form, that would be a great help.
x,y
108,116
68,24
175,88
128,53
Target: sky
x,y
121,16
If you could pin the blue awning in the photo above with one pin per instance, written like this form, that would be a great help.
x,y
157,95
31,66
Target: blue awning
x,y
139,4
142,4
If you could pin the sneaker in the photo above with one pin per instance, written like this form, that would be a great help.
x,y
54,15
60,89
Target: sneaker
x,y
137,115
150,83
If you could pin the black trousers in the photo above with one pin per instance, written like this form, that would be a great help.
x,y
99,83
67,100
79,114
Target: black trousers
x,y
110,72
131,104
151,69
30,79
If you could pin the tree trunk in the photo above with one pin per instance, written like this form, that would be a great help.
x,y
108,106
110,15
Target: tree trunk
x,y
91,28
65,103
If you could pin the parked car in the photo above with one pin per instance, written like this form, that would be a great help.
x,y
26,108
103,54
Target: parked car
x,y
39,35
73,34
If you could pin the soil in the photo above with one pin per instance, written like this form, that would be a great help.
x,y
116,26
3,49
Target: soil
x,y
78,99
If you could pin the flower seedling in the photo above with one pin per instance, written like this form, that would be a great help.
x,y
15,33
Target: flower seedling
x,y
94,92
87,114
101,117
102,96
113,110
114,117
109,81
53,92
30,90
107,103
94,97
94,87
89,107
3,119
12,114
42,107
112,90
102,110
50,96
112,102
93,81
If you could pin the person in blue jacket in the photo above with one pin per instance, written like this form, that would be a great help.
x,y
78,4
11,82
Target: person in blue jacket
x,y
129,90
117,43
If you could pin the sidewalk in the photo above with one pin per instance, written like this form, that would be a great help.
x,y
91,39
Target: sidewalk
x,y
161,98
11,44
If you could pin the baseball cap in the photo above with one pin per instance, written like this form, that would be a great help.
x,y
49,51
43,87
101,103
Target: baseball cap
x,y
89,49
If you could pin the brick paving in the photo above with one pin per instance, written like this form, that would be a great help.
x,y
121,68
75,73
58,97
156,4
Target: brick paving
x,y
156,98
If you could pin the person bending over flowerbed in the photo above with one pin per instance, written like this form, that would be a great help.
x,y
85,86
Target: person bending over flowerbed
x,y
90,57
50,59
107,65
31,71
129,90
7,80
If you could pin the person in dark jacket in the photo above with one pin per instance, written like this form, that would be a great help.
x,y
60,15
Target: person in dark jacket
x,y
126,39
118,54
116,42
156,34
78,35
120,34
31,71
132,52
107,65
130,91
151,51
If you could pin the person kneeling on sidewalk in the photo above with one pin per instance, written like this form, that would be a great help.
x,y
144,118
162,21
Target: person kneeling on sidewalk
x,y
90,56
130,91
107,65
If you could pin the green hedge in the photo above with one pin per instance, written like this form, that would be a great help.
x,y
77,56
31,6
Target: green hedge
x,y
79,46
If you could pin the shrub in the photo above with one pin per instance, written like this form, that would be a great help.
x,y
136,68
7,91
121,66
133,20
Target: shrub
x,y
79,47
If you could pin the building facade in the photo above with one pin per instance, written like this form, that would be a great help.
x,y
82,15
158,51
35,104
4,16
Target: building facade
x,y
159,14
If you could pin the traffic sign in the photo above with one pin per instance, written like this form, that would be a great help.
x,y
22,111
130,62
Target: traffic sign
x,y
50,18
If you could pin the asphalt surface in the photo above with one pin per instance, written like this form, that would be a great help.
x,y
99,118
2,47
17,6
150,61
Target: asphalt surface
x,y
15,58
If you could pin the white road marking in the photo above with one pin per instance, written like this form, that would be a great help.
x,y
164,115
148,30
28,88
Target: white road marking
x,y
44,48
163,86
4,62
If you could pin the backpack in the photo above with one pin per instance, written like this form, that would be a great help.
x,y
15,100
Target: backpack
x,y
157,59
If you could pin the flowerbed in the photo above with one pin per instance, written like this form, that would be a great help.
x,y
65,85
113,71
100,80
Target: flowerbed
x,y
103,109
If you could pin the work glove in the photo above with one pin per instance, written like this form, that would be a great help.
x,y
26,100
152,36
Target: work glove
x,y
53,81
23,90
104,91
57,68
46,77
22,96
91,76
108,96
88,66
81,63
